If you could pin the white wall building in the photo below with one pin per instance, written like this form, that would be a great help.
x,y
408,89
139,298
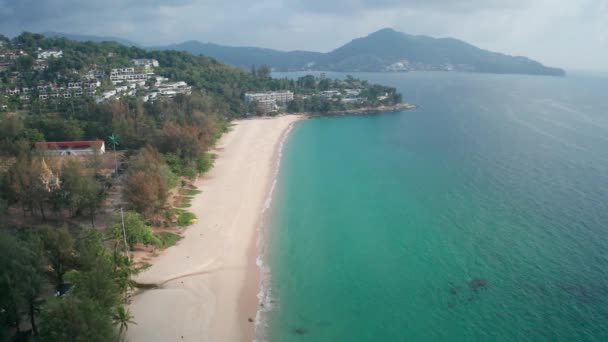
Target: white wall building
x,y
172,89
128,75
145,63
277,96
49,54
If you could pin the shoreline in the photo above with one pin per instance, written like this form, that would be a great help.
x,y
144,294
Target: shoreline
x,y
361,111
207,285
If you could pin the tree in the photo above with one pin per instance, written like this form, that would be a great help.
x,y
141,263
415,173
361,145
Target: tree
x,y
21,278
96,280
122,318
182,140
80,192
264,71
76,319
33,277
103,275
151,82
24,63
147,186
21,182
59,249
70,185
91,196
113,141
11,267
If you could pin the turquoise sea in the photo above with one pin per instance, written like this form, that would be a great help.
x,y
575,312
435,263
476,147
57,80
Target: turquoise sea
x,y
480,216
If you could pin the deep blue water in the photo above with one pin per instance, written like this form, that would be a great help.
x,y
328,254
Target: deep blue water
x,y
480,216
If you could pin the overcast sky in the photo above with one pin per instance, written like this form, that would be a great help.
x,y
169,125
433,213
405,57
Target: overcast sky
x,y
566,33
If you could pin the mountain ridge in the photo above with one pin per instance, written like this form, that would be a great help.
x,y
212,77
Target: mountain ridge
x,y
92,38
382,50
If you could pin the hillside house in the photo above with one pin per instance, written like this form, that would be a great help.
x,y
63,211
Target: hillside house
x,y
145,63
50,53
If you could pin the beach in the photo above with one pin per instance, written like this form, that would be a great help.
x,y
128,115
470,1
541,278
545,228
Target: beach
x,y
207,285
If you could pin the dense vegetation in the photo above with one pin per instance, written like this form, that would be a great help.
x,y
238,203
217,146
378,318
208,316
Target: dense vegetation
x,y
68,283
158,143
312,100
243,57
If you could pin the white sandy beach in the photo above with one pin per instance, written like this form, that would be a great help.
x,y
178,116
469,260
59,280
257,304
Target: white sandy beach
x,y
209,281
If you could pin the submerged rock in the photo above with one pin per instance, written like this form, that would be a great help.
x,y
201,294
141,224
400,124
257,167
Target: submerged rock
x,y
478,283
300,331
455,289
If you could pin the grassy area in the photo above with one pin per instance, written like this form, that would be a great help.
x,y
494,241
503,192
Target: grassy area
x,y
204,162
168,239
185,202
189,192
142,267
186,218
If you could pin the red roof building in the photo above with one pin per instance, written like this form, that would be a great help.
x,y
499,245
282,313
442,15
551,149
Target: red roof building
x,y
67,148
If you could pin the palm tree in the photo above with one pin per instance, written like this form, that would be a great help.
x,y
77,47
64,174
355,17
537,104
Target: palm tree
x,y
122,318
113,140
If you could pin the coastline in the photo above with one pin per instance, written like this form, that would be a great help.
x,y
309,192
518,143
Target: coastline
x,y
363,111
207,285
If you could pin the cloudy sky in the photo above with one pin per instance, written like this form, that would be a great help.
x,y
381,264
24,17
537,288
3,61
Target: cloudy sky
x,y
566,33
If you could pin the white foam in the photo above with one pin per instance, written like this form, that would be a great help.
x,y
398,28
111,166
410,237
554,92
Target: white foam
x,y
265,295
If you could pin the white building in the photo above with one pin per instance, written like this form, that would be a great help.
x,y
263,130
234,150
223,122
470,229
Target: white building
x,y
49,54
128,75
268,100
330,93
172,89
277,96
145,63
75,148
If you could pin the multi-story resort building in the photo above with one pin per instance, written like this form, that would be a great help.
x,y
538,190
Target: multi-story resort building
x,y
277,96
145,63
128,75
268,100
49,54
172,89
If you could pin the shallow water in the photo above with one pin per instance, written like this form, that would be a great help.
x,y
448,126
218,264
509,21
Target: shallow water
x,y
481,215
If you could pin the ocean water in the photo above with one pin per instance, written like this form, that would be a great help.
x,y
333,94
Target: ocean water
x,y
480,216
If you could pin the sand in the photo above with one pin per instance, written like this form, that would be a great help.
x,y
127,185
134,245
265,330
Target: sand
x,y
209,281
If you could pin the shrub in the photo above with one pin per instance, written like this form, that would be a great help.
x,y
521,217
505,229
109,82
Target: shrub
x,y
168,239
204,162
136,230
186,218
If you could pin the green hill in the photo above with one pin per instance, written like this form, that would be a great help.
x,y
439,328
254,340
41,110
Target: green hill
x,y
245,57
388,49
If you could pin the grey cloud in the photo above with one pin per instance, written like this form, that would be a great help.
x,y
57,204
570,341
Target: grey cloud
x,y
31,10
558,32
353,6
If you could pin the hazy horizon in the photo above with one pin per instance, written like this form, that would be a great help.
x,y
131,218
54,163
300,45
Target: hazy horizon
x,y
556,33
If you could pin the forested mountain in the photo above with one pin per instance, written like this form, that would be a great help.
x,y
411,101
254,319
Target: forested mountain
x,y
384,50
388,49
245,57
89,38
